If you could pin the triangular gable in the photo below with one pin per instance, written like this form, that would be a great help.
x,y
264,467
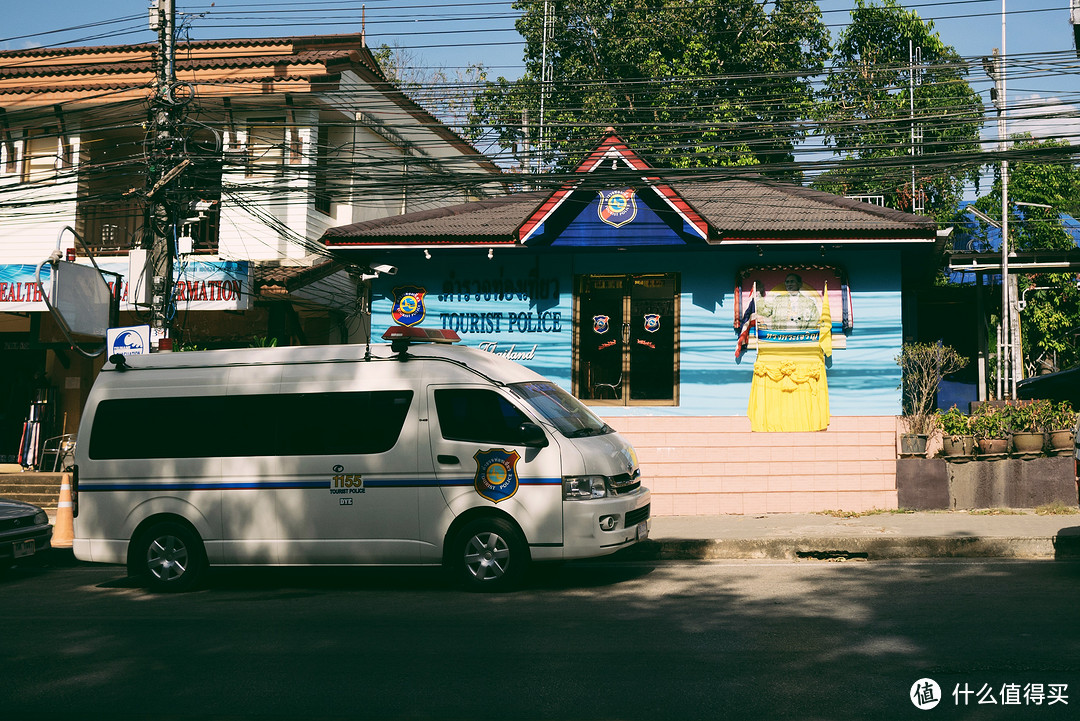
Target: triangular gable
x,y
614,151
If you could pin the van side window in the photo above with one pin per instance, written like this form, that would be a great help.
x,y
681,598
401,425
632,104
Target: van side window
x,y
291,424
482,416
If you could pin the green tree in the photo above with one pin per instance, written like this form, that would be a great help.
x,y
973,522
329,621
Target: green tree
x,y
867,111
687,83
446,94
1041,188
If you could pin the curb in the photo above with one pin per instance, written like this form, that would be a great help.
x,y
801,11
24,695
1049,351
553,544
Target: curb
x,y
855,547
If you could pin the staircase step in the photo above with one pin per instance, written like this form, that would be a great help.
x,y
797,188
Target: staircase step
x,y
44,500
11,489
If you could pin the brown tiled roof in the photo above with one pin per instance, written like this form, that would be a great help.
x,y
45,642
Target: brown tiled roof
x,y
755,207
492,221
735,209
277,279
31,78
99,75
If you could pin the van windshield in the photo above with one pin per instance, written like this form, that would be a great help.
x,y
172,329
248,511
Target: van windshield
x,y
566,413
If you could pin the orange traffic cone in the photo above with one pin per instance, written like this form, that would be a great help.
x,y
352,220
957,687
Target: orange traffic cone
x,y
64,527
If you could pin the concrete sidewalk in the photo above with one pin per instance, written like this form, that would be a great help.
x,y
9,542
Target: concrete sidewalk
x,y
929,534
925,534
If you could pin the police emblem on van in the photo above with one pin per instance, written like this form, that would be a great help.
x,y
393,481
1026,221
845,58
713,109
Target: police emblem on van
x,y
408,306
496,474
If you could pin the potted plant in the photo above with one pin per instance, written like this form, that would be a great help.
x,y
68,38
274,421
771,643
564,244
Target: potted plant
x,y
1060,428
956,436
1028,420
922,366
990,425
917,429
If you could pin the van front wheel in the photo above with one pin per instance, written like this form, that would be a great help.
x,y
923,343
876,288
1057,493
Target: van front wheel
x,y
168,556
491,555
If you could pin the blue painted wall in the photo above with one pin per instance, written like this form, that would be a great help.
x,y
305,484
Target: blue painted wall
x,y
522,302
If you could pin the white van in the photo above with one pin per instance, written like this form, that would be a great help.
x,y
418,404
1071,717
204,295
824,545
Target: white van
x,y
411,454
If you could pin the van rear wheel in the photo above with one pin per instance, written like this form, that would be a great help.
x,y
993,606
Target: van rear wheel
x,y
491,555
168,556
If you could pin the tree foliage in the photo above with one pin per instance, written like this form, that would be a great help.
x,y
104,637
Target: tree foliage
x,y
446,94
689,83
867,113
1050,319
922,368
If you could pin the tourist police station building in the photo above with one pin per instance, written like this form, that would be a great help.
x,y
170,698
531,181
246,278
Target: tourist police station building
x,y
741,332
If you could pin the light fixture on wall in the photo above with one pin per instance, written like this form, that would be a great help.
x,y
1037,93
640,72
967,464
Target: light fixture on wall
x,y
427,254
760,252
491,253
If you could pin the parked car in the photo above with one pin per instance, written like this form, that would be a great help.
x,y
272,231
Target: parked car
x,y
1060,386
25,531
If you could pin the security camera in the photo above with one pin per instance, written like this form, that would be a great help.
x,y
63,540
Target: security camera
x,y
385,269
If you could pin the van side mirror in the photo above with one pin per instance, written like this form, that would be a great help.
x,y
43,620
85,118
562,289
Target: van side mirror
x,y
533,435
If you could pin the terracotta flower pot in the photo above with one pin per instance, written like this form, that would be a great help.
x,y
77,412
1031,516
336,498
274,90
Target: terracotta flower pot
x,y
958,445
1028,443
1061,442
912,445
993,446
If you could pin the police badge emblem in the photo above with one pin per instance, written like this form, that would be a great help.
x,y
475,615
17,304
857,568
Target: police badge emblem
x,y
617,207
652,322
600,324
496,474
408,306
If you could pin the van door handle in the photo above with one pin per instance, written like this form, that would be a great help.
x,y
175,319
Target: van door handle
x,y
448,459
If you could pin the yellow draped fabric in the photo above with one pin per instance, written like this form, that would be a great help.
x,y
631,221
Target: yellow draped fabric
x,y
825,324
789,391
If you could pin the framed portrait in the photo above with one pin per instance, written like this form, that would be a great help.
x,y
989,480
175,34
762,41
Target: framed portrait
x,y
786,305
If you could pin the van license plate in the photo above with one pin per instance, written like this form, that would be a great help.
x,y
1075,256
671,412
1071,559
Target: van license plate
x,y
643,530
26,548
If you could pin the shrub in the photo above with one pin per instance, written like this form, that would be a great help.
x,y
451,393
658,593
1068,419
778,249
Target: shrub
x,y
922,366
1060,417
954,423
1030,417
991,421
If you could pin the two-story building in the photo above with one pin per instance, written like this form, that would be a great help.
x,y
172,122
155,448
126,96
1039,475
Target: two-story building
x,y
292,136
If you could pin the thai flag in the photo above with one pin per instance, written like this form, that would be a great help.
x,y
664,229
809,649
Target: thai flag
x,y
748,323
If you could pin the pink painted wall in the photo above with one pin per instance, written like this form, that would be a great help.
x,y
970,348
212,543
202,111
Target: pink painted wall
x,y
715,465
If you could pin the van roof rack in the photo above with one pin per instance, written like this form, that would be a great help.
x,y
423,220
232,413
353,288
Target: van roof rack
x,y
402,336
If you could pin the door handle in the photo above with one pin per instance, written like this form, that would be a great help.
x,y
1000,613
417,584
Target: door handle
x,y
447,459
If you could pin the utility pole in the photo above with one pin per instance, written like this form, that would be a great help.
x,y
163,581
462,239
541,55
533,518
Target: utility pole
x,y
166,163
914,78
1009,360
545,81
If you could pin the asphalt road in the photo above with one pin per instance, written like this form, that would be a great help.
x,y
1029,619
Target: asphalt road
x,y
597,641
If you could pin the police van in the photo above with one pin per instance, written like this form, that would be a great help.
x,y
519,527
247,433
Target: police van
x,y
419,452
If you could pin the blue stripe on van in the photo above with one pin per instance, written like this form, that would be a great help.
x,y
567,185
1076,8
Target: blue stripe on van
x,y
222,486
323,485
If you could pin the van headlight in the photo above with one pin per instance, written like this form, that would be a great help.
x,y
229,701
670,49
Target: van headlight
x,y
582,488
